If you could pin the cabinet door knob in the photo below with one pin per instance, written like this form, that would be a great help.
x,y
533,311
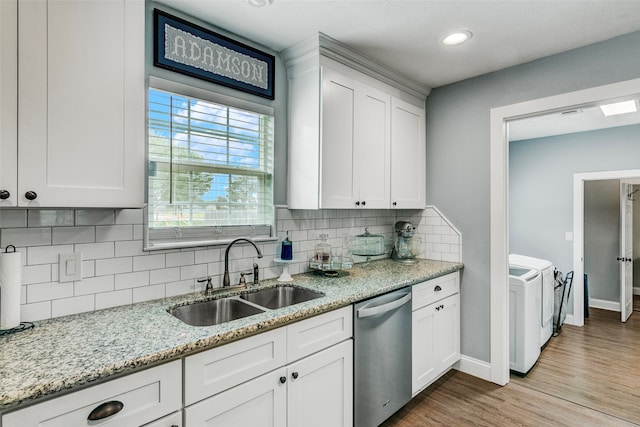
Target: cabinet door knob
x,y
364,203
358,203
294,375
437,288
4,194
105,410
30,195
283,380
395,203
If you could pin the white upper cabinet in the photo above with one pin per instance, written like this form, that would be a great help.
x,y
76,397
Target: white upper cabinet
x,y
81,104
408,155
355,143
350,123
8,102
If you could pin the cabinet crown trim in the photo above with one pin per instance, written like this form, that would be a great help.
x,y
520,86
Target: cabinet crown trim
x,y
323,45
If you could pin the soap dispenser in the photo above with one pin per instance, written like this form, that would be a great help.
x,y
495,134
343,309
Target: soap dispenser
x,y
286,253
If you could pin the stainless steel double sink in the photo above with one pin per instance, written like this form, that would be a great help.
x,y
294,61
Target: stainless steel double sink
x,y
248,303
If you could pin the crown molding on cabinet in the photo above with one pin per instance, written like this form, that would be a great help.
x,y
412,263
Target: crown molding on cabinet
x,y
323,45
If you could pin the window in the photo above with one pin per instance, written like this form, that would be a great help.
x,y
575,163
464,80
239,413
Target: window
x,y
210,175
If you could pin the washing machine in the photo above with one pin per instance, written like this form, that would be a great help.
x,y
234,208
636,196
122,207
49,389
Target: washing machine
x,y
546,269
524,318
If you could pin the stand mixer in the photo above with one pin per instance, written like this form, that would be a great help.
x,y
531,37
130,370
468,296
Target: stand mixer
x,y
407,246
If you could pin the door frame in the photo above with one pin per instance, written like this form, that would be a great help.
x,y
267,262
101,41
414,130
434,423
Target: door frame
x,y
499,190
577,318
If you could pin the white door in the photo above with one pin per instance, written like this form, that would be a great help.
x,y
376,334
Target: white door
x,y
626,251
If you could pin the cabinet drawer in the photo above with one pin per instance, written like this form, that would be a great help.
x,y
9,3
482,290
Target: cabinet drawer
x,y
173,420
319,332
221,368
145,396
435,289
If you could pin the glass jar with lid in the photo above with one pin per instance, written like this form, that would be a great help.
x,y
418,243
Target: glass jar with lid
x,y
322,253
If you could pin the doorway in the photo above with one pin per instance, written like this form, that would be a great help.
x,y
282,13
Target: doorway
x,y
499,151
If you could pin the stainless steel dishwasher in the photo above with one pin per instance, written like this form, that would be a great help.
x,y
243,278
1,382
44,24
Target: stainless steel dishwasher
x,y
382,357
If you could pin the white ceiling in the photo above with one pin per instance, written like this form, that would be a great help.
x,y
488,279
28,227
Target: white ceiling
x,y
405,34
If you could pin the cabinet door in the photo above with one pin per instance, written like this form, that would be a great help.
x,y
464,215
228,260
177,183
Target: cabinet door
x,y
408,155
81,105
448,332
423,357
320,388
372,148
261,402
8,102
337,181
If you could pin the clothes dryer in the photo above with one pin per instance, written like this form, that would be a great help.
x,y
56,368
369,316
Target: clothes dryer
x,y
546,269
524,318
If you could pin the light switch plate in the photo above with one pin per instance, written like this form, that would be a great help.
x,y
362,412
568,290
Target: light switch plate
x,y
70,267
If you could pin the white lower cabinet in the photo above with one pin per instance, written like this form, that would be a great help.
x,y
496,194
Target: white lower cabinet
x,y
320,388
173,420
130,401
252,382
435,329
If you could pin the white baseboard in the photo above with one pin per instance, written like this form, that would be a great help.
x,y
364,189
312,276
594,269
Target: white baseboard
x,y
475,367
604,304
636,290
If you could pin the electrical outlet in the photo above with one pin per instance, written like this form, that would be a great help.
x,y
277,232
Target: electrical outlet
x,y
70,267
568,236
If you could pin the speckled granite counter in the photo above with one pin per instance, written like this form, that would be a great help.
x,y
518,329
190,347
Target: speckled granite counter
x,y
69,352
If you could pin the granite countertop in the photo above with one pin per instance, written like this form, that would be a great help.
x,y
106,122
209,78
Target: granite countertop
x,y
69,352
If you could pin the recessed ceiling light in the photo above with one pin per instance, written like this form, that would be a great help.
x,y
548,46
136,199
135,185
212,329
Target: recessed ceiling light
x,y
260,3
619,108
456,38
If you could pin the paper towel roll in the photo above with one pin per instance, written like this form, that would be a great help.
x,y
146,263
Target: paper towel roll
x,y
10,282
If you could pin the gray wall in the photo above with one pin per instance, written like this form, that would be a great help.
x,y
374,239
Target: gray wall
x,y
602,238
458,153
541,199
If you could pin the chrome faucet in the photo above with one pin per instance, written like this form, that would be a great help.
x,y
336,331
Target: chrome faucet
x,y
225,280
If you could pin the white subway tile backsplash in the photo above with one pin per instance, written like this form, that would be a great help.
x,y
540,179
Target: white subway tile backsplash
x,y
75,305
129,216
178,259
113,233
179,288
164,275
13,218
148,293
117,271
35,312
36,274
132,280
129,248
50,217
70,235
94,285
25,237
114,266
47,254
95,216
96,250
148,262
114,299
197,271
48,291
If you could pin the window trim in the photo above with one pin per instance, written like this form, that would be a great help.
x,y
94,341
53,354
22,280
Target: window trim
x,y
205,95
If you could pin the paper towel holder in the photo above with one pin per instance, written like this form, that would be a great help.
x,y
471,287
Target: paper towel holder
x,y
23,326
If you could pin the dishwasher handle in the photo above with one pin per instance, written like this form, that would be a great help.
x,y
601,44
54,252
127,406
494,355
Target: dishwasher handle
x,y
384,308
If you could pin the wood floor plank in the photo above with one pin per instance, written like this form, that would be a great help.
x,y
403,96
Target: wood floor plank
x,y
588,376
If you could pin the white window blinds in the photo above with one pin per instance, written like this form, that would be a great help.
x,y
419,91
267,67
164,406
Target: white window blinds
x,y
210,170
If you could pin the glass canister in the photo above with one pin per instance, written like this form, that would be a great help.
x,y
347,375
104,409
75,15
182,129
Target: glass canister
x,y
322,253
368,244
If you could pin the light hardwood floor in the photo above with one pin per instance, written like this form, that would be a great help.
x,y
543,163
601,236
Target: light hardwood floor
x,y
587,376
